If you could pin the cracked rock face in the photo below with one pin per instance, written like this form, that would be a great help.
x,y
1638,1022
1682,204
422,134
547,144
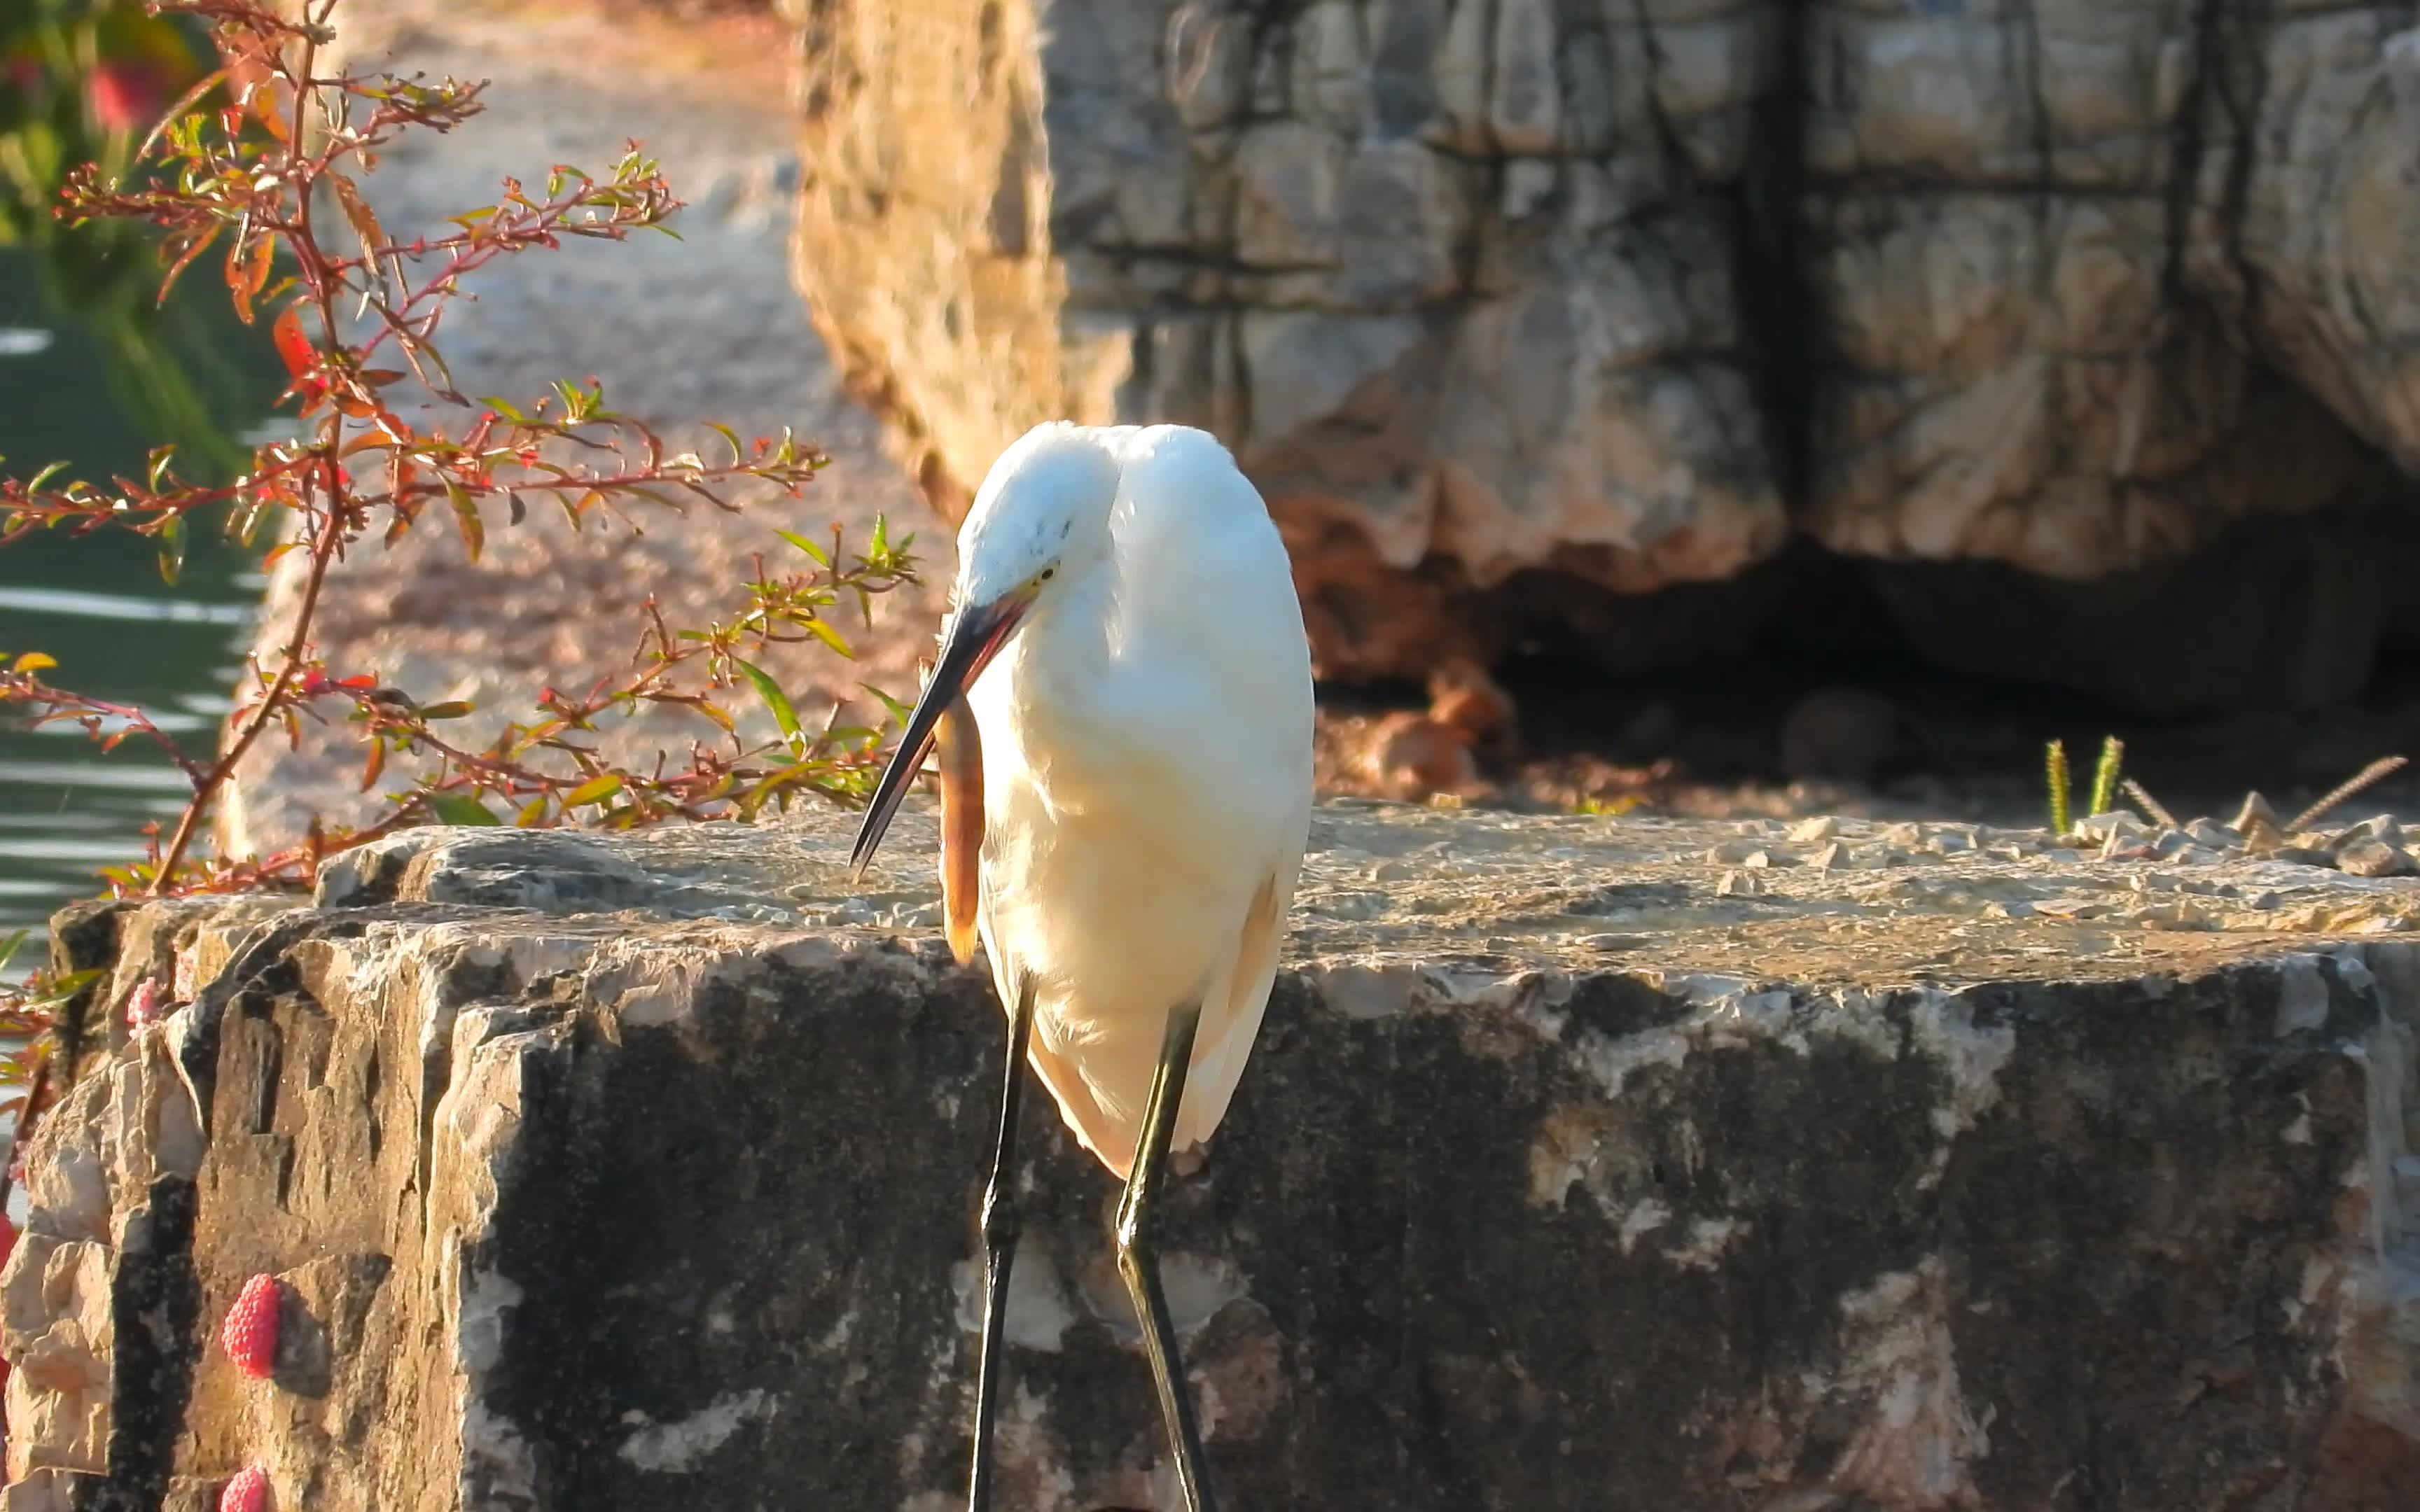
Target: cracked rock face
x,y
639,1172
1492,293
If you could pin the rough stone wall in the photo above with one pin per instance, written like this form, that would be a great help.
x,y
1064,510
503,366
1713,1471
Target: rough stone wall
x,y
639,1173
1626,293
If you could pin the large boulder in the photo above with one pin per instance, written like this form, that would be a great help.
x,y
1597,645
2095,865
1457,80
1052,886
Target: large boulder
x,y
1582,1163
1622,296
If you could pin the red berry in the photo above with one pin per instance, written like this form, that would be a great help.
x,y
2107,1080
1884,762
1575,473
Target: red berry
x,y
123,95
8,1248
143,1003
247,1492
249,1335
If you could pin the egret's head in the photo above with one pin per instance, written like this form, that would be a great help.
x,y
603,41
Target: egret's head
x,y
1041,516
1042,510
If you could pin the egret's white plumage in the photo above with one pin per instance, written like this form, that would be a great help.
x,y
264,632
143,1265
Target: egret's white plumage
x,y
1146,740
1127,643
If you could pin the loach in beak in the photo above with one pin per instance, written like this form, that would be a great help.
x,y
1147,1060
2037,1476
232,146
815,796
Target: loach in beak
x,y
974,636
958,747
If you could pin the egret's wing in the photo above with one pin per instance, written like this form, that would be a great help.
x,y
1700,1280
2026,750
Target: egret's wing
x,y
1230,1028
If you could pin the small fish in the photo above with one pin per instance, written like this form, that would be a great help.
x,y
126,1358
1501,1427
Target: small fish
x,y
957,753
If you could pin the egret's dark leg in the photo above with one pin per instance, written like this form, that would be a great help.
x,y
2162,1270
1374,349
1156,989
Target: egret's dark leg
x,y
1139,1254
1000,1226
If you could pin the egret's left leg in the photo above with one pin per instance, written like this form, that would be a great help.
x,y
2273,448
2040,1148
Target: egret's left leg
x,y
1138,1254
1002,1224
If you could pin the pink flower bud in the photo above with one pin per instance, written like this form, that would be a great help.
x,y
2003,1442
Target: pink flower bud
x,y
143,1004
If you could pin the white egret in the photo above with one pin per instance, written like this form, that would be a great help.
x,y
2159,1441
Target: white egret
x,y
1142,753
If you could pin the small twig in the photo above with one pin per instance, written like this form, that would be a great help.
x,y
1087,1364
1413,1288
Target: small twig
x,y
2152,807
2361,781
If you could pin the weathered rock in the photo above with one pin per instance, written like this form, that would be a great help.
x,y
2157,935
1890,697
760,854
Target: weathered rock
x,y
1455,280
638,1172
1487,293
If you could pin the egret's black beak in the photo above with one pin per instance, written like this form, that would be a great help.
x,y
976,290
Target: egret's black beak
x,y
975,637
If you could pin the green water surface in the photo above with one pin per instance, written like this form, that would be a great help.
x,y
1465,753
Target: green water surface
x,y
99,604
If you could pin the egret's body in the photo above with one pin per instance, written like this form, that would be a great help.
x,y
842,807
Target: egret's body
x,y
1147,782
1128,641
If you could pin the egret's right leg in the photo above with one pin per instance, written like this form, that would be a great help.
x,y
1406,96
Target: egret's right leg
x,y
1000,1226
1138,1254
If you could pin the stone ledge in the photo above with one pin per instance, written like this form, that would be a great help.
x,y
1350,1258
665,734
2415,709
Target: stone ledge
x,y
639,1172
1487,893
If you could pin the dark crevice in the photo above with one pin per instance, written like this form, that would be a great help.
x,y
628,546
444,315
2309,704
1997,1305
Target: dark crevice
x,y
2026,23
1776,296
1908,183
372,1077
2187,144
2241,77
1668,137
436,1076
269,1050
155,1311
1143,373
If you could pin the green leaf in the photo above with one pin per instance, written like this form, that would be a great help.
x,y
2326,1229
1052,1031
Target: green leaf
x,y
172,547
807,546
899,711
595,790
64,988
778,701
504,410
366,225
830,637
10,946
466,514
450,709
456,809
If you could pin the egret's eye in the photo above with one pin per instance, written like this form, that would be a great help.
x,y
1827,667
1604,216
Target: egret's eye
x,y
1048,573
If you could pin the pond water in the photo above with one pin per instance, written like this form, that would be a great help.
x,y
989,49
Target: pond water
x,y
99,604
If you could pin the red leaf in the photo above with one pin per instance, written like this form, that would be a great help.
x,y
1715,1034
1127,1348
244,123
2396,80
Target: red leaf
x,y
247,272
292,344
264,108
191,249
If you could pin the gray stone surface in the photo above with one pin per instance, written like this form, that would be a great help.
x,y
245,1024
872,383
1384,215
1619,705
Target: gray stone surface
x,y
1625,294
1583,1162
